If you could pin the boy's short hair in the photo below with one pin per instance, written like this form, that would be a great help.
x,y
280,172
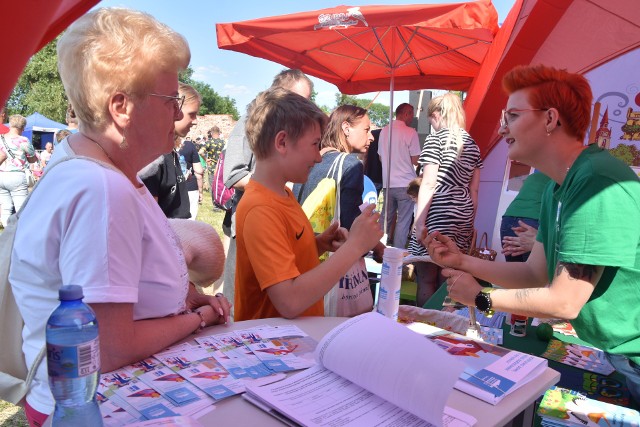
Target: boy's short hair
x,y
288,79
276,110
413,189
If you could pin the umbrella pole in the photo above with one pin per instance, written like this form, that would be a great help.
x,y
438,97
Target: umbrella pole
x,y
386,186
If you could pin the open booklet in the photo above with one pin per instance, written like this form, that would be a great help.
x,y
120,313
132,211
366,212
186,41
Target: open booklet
x,y
371,371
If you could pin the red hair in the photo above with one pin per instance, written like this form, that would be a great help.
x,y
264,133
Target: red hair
x,y
549,87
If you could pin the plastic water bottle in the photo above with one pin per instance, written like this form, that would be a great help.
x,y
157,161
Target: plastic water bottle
x,y
390,282
73,360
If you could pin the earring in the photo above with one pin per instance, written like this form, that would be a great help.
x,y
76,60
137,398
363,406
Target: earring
x,y
123,144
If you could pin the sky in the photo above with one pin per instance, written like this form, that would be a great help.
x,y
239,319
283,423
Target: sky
x,y
238,75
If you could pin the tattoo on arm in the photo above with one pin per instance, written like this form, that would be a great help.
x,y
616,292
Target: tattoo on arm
x,y
523,295
577,271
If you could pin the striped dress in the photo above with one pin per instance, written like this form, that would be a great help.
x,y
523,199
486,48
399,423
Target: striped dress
x,y
451,210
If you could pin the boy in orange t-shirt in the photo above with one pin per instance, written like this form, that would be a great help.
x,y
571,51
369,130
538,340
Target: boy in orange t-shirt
x,y
277,269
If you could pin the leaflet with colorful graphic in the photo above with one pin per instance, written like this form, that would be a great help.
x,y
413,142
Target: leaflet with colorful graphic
x,y
148,401
202,370
491,372
280,348
564,407
236,357
580,356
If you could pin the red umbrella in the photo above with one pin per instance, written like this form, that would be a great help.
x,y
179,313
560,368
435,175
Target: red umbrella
x,y
367,48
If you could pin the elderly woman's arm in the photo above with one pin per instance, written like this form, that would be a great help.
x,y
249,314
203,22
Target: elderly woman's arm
x,y
124,341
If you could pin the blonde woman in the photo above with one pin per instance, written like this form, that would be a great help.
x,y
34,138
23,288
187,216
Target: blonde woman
x,y
105,232
18,153
448,196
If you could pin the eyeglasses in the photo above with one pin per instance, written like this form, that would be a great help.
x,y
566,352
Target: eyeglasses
x,y
504,117
179,100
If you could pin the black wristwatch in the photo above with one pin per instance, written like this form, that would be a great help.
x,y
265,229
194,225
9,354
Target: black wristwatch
x,y
483,301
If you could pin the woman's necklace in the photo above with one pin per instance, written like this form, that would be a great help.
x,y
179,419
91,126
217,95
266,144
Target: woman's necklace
x,y
101,147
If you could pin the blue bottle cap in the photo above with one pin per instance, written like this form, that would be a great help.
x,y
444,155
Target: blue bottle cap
x,y
70,292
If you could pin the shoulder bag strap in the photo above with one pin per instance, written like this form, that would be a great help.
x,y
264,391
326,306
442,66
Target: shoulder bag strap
x,y
9,151
340,160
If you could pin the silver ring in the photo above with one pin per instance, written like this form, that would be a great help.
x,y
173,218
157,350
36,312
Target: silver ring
x,y
218,295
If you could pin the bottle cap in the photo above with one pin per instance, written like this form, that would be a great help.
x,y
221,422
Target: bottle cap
x,y
70,292
392,253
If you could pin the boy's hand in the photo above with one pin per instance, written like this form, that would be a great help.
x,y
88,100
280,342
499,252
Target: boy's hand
x,y
332,238
443,250
365,230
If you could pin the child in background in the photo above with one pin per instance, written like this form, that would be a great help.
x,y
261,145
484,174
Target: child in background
x,y
414,188
277,268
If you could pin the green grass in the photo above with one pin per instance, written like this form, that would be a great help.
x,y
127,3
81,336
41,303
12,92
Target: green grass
x,y
207,214
13,416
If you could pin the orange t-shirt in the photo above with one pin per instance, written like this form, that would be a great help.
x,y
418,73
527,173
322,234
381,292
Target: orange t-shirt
x,y
274,243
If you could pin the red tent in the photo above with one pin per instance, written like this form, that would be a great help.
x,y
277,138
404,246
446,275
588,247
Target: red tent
x,y
32,25
578,35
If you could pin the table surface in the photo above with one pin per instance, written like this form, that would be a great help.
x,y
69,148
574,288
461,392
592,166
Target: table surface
x,y
237,412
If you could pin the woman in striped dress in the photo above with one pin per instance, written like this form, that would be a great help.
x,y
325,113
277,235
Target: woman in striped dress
x,y
448,197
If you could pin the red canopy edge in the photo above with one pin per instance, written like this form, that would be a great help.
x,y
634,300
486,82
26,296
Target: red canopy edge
x,y
33,24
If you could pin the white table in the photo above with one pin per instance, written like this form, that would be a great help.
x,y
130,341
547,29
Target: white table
x,y
236,412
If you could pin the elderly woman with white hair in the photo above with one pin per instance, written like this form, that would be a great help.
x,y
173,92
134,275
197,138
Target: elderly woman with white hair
x,y
17,152
105,231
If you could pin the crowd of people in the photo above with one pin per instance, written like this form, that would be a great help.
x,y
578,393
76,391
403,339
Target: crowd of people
x,y
129,177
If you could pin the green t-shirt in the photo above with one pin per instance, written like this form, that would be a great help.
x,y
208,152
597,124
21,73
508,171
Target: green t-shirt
x,y
598,207
527,202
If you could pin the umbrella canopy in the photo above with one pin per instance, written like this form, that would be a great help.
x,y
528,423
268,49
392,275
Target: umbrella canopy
x,y
361,49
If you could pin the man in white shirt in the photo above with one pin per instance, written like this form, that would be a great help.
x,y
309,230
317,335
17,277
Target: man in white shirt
x,y
404,152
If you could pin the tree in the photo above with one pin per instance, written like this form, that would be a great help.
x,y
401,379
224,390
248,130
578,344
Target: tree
x,y
39,87
212,102
378,113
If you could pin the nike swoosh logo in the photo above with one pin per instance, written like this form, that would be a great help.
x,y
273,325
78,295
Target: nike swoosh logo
x,y
299,235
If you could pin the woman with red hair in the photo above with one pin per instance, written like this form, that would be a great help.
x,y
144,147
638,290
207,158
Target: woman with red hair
x,y
585,263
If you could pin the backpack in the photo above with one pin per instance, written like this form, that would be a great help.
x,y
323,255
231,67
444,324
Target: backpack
x,y
220,194
15,378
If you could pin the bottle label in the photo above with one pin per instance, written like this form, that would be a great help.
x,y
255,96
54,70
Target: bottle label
x,y
73,361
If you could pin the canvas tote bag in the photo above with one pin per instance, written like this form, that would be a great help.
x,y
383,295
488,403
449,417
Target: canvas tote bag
x,y
15,378
351,295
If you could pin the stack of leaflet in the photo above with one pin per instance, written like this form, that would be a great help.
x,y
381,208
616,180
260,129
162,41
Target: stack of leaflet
x,y
564,407
583,357
186,380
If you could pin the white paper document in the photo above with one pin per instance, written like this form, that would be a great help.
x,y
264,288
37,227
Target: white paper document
x,y
371,371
